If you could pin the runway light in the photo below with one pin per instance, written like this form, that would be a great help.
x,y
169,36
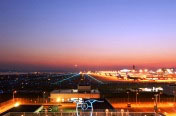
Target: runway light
x,y
16,104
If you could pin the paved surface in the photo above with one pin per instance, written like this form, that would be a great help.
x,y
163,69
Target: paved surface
x,y
105,79
167,108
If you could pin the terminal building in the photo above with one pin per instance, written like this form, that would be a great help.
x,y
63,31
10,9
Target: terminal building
x,y
67,95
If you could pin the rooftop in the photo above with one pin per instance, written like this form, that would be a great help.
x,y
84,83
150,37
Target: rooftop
x,y
72,91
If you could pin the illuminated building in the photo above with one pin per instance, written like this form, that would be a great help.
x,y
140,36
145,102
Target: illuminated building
x,y
66,95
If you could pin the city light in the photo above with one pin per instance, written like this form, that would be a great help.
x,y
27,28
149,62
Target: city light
x,y
88,58
146,70
140,70
58,99
16,104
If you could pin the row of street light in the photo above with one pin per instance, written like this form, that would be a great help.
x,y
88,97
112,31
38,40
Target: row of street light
x,y
156,99
137,92
14,92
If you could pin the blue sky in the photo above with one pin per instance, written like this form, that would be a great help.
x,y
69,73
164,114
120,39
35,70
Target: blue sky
x,y
62,33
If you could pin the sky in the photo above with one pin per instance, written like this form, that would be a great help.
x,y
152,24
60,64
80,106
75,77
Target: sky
x,y
87,34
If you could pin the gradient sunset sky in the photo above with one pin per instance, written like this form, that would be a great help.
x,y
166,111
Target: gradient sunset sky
x,y
59,34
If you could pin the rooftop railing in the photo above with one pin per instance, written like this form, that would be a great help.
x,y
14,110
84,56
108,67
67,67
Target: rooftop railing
x,y
84,114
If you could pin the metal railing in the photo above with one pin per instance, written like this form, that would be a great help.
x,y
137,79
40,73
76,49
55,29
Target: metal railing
x,y
83,114
111,100
140,100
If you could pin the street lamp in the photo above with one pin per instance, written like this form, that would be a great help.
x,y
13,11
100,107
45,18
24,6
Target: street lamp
x,y
159,96
43,96
174,92
128,95
156,102
128,104
136,96
14,94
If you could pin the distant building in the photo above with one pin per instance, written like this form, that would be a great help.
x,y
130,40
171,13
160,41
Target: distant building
x,y
66,95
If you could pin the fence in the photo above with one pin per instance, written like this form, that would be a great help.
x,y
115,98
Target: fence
x,y
47,100
114,100
84,114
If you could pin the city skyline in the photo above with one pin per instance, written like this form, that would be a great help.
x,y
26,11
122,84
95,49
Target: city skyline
x,y
61,35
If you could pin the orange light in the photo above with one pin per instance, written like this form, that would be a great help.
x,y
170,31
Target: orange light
x,y
16,104
58,100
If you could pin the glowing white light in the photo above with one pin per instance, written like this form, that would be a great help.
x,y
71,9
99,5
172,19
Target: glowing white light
x,y
58,100
16,104
140,70
125,70
159,71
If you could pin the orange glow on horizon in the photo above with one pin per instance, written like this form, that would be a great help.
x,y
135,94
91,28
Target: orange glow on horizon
x,y
88,59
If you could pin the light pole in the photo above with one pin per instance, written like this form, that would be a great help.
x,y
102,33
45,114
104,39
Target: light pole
x,y
44,96
174,92
14,94
128,95
128,104
156,103
159,96
136,96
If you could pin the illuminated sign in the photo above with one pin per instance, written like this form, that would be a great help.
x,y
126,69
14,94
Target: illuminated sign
x,y
84,105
